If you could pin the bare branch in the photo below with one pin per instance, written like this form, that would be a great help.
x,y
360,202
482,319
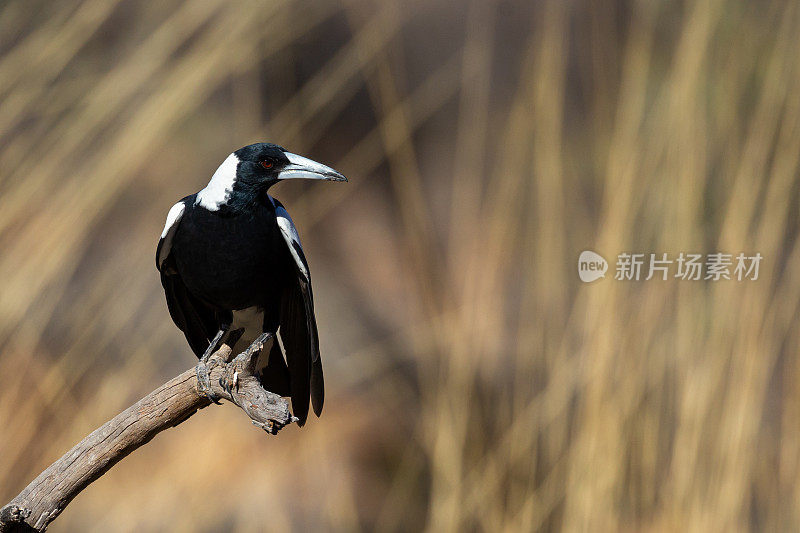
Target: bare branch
x,y
167,406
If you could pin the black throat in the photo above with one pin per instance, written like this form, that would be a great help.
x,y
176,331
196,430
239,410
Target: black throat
x,y
246,198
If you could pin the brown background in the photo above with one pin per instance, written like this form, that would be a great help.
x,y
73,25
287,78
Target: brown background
x,y
473,382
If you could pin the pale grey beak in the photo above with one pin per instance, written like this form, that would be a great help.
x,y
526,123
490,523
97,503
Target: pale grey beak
x,y
302,167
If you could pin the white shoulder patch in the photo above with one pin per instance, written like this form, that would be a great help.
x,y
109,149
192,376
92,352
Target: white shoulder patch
x,y
175,213
173,218
219,188
290,235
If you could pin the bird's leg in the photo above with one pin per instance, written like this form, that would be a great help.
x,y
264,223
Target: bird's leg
x,y
203,381
245,364
246,361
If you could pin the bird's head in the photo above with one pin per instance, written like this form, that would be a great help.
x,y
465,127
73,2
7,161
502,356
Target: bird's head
x,y
268,164
250,171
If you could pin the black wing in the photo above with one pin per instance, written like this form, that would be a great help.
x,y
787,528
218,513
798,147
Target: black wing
x,y
298,327
195,318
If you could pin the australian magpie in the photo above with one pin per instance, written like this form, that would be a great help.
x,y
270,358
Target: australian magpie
x,y
231,262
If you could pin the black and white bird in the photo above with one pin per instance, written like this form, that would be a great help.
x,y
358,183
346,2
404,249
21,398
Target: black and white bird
x,y
231,261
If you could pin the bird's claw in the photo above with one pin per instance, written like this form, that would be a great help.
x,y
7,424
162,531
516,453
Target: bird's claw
x,y
257,344
204,382
230,383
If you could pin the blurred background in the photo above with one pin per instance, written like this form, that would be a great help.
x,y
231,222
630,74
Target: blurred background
x,y
474,383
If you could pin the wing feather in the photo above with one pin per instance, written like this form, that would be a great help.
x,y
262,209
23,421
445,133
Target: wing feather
x,y
196,319
298,327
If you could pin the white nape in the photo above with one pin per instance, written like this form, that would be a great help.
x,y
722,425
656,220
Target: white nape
x,y
219,189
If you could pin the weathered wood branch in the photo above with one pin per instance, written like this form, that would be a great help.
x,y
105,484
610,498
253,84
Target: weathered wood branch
x,y
167,406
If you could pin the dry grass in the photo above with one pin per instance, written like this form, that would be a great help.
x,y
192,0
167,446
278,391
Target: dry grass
x,y
474,382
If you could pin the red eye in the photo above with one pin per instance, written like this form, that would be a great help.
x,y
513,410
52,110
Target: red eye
x,y
266,164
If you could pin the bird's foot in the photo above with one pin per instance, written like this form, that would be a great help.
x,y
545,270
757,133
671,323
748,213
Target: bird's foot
x,y
205,365
255,347
204,381
244,363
